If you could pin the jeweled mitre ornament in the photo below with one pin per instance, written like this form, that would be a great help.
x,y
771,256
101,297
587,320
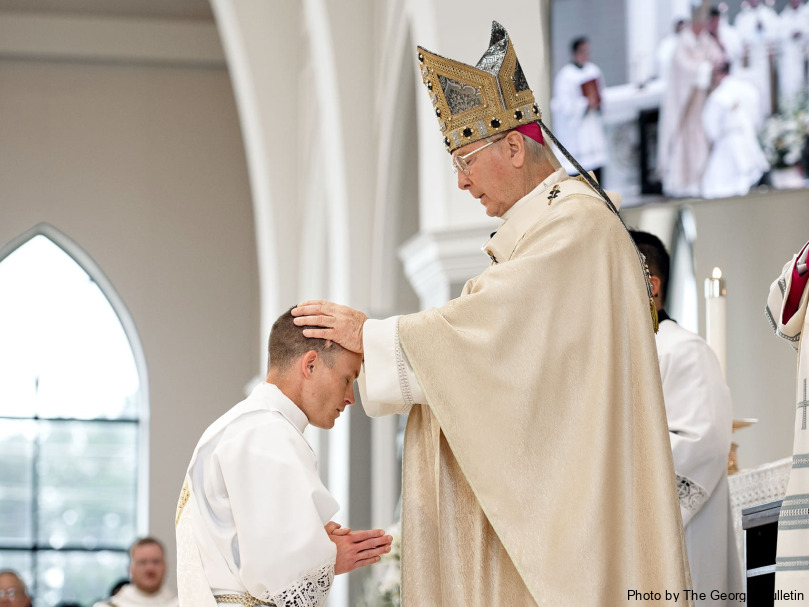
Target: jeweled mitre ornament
x,y
476,102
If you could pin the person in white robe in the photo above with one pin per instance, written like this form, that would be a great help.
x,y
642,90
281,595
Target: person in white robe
x,y
666,48
786,311
536,465
682,145
759,28
730,38
254,519
792,63
147,573
578,91
731,120
700,419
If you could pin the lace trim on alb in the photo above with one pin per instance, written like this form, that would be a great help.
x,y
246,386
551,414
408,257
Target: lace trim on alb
x,y
691,495
310,590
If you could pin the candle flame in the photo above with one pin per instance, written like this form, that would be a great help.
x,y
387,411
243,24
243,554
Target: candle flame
x,y
716,274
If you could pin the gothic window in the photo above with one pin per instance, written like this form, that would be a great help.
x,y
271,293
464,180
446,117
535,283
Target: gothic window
x,y
72,399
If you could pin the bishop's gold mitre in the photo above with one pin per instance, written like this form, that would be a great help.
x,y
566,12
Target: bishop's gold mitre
x,y
476,102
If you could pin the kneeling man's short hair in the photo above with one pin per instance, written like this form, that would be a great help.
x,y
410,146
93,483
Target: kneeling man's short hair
x,y
288,344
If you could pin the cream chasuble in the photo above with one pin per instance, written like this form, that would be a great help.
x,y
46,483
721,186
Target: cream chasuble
x,y
538,470
792,556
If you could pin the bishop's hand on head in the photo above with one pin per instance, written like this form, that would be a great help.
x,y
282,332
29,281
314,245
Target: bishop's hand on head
x,y
340,324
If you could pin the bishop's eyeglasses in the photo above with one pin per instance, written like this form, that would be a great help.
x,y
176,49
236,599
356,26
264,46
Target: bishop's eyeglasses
x,y
459,162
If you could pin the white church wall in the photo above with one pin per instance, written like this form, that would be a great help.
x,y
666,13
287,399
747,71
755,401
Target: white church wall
x,y
351,24
396,197
261,40
142,165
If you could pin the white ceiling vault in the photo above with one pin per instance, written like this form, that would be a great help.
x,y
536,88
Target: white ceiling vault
x,y
144,9
167,32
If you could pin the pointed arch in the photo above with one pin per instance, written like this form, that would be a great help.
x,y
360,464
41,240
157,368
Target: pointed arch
x,y
74,405
86,262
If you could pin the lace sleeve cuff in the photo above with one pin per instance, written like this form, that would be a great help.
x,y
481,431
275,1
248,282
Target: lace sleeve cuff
x,y
310,590
692,496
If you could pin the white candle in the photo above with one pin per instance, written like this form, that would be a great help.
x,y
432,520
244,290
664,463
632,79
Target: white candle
x,y
715,317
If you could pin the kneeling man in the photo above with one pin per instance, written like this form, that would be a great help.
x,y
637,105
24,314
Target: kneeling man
x,y
253,521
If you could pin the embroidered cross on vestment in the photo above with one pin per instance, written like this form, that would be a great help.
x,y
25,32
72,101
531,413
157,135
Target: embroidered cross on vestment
x,y
553,193
804,403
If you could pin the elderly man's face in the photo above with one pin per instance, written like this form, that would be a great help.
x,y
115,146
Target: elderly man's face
x,y
488,178
148,568
12,591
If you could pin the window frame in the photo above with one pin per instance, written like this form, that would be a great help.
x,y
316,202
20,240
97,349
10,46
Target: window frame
x,y
141,420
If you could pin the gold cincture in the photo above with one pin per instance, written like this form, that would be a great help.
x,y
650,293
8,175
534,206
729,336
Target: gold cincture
x,y
247,600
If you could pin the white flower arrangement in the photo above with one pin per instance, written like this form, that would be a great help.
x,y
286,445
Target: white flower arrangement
x,y
383,585
783,136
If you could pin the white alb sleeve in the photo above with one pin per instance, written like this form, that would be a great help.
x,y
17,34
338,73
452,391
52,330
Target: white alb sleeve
x,y
387,383
276,497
